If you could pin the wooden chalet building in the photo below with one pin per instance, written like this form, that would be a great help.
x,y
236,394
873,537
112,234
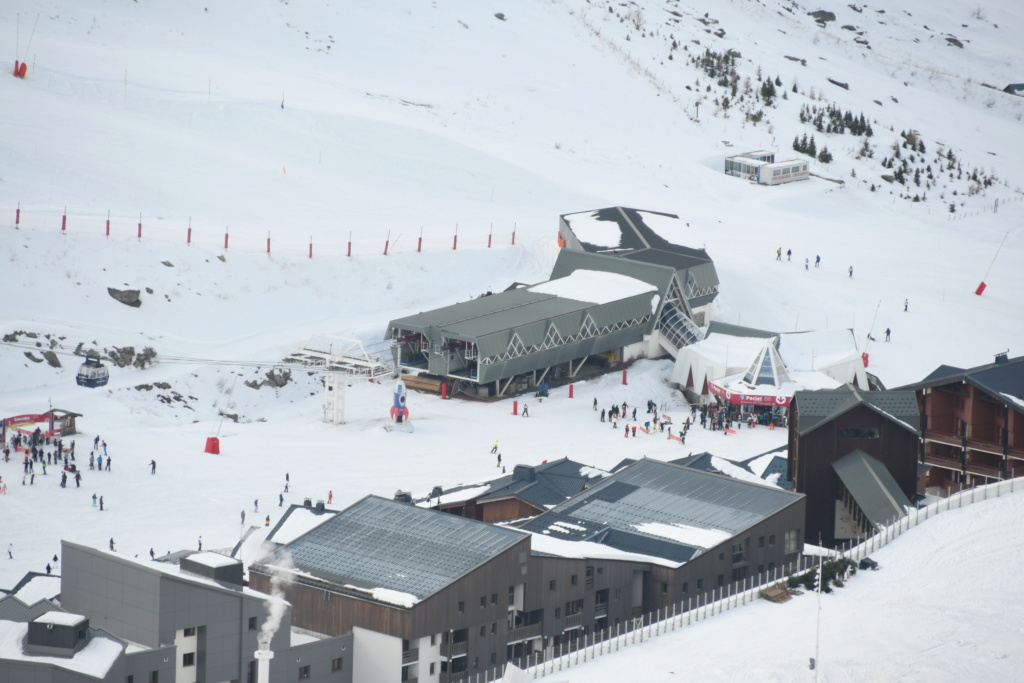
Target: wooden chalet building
x,y
972,423
527,491
825,427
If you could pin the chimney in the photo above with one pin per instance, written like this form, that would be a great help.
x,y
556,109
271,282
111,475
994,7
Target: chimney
x,y
319,507
1002,358
263,657
403,496
307,502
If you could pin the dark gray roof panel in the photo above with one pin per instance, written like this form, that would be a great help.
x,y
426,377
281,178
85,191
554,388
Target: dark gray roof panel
x,y
872,486
380,543
665,503
816,408
716,327
1002,380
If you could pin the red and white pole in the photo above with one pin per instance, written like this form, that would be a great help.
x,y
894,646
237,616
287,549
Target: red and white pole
x,y
268,241
571,386
387,243
107,234
188,235
455,241
225,240
310,246
140,227
513,234
64,221
515,407
490,235
17,217
419,242
349,244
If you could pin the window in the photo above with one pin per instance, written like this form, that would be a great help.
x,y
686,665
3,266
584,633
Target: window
x,y
483,630
511,595
858,433
433,639
252,623
494,658
154,677
494,627
462,606
760,541
790,539
304,673
618,593
432,668
558,613
494,598
188,659
129,679
483,601
572,579
190,631
721,556
739,552
664,589
771,541
700,584
721,579
600,571
686,586
551,585
338,664
476,662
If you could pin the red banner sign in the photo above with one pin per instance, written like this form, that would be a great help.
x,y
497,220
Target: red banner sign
x,y
748,399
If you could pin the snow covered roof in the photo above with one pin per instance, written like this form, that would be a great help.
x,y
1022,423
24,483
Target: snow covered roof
x,y
594,287
298,520
663,510
60,618
212,559
94,659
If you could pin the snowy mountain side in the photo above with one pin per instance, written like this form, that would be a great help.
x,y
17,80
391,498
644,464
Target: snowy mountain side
x,y
311,123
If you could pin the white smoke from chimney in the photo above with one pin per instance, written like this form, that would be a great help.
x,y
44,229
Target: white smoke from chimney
x,y
280,573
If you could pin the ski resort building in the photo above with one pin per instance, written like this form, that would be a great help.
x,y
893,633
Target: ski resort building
x,y
451,600
748,367
762,168
972,423
638,300
125,620
854,454
528,490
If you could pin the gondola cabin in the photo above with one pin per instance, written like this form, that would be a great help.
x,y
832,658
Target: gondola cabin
x,y
93,373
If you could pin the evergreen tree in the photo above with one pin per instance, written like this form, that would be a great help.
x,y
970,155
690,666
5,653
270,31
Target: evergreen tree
x,y
812,149
825,157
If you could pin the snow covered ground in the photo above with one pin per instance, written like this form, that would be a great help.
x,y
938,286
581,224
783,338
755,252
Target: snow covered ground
x,y
400,117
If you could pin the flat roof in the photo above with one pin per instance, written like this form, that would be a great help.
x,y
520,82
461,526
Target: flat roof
x,y
60,618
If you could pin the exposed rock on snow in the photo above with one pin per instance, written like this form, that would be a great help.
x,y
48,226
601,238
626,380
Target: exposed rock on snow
x,y
129,297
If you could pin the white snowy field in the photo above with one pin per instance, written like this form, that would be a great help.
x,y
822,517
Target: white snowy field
x,y
436,115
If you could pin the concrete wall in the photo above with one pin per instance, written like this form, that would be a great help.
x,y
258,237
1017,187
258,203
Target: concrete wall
x,y
379,659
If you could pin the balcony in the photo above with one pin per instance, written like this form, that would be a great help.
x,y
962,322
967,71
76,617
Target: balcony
x,y
454,649
601,610
946,463
944,437
572,621
525,632
459,677
410,656
984,469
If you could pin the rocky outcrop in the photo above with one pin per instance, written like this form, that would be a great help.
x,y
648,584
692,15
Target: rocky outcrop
x,y
129,297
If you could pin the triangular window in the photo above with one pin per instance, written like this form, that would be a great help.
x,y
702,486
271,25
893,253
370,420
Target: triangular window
x,y
589,329
552,339
515,347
